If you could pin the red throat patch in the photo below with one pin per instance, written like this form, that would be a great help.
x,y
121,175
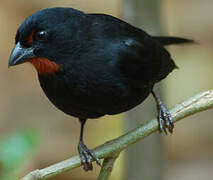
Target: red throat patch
x,y
44,65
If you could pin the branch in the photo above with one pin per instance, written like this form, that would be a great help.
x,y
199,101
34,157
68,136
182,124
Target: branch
x,y
200,102
106,168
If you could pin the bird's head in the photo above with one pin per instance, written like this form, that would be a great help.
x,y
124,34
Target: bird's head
x,y
46,39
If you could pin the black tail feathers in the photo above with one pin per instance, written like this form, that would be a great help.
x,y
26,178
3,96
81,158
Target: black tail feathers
x,y
165,40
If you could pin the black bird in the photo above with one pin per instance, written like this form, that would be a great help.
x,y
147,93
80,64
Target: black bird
x,y
90,65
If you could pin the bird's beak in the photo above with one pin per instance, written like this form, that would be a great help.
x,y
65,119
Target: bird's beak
x,y
20,55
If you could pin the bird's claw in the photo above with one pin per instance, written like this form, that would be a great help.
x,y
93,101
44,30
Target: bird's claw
x,y
87,156
165,119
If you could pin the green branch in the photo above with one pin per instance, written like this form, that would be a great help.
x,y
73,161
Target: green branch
x,y
106,168
111,149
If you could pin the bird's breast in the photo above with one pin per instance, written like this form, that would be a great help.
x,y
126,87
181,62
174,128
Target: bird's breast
x,y
89,98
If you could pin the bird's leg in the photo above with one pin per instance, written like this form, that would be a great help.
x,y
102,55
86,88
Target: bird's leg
x,y
86,155
164,116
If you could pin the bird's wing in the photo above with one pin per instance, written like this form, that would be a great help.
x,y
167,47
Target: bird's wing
x,y
145,59
140,56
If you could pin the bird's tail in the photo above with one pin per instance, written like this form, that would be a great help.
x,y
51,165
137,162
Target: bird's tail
x,y
165,40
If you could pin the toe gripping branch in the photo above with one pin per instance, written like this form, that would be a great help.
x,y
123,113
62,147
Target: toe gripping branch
x,y
164,119
164,116
86,155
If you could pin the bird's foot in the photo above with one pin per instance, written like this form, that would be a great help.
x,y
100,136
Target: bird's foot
x,y
87,156
164,119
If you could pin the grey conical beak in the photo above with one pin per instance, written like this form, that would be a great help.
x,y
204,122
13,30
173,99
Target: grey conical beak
x,y
20,55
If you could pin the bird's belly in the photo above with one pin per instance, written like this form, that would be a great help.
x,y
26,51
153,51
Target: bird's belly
x,y
94,107
94,103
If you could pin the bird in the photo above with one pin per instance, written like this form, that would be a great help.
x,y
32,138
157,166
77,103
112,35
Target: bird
x,y
90,65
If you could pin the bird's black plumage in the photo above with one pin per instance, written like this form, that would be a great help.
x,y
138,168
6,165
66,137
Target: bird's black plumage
x,y
102,65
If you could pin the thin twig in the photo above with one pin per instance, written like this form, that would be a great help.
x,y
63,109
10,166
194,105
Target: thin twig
x,y
200,102
106,168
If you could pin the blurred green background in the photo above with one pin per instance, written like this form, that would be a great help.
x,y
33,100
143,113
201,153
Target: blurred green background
x,y
187,154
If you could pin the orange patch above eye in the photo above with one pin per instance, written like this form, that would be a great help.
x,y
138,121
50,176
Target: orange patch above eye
x,y
44,65
30,38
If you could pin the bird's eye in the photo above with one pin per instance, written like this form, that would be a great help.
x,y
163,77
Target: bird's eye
x,y
41,35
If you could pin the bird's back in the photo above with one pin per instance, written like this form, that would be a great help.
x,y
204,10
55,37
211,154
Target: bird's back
x,y
139,53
